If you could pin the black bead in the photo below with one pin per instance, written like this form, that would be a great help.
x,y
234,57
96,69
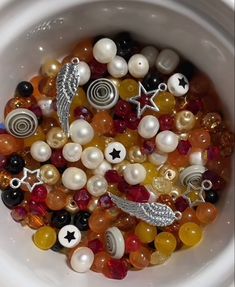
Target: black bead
x,y
60,218
187,69
25,89
125,45
151,81
15,164
57,247
211,196
12,197
81,220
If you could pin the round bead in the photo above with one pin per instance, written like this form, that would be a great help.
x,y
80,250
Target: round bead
x,y
100,261
50,68
206,212
92,157
72,152
40,151
99,221
49,174
190,233
200,138
167,61
15,164
185,121
117,68
21,123
24,89
47,106
82,259
152,81
83,50
157,158
148,127
145,232
84,73
74,178
134,173
167,141
138,66
56,199
69,236
60,218
97,185
140,258
56,138
128,89
151,53
102,94
165,243
211,196
162,185
45,237
135,155
115,152
81,132
197,157
81,220
178,85
132,243
104,50
115,244
165,101
157,258
102,168
12,197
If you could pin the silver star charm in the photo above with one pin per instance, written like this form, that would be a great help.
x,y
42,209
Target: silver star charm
x,y
16,182
194,195
145,100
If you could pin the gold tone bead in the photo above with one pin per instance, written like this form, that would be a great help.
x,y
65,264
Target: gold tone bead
x,y
49,174
56,138
93,204
135,155
121,166
71,205
50,68
116,82
5,178
185,120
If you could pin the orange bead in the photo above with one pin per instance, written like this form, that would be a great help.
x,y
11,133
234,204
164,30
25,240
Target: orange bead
x,y
189,215
97,141
67,59
140,258
10,144
5,178
99,221
206,212
84,50
19,102
35,82
200,138
100,260
125,222
56,199
47,87
91,235
34,221
39,135
128,139
102,123
178,160
48,123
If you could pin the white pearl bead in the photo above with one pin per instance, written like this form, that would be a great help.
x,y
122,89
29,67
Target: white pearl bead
x,y
102,168
115,244
115,152
46,106
72,152
178,85
84,73
74,178
151,53
117,67
138,66
197,157
158,158
166,141
81,132
69,236
148,127
104,50
97,185
82,259
40,151
92,157
167,61
134,173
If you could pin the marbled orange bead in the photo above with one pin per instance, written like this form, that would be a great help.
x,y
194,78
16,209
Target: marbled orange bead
x,y
102,123
189,215
19,102
178,160
84,50
99,221
140,258
35,82
10,144
91,235
206,212
34,221
56,199
100,260
47,86
200,138
5,178
48,123
125,222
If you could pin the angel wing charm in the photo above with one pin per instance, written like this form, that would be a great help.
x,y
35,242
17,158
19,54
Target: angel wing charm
x,y
66,85
154,213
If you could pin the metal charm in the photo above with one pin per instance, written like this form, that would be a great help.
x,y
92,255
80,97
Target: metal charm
x,y
154,213
66,85
194,194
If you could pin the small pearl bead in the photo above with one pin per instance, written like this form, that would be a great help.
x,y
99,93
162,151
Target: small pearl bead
x,y
148,127
84,73
81,132
82,259
40,151
104,50
167,141
151,53
167,61
72,152
97,185
74,178
117,68
197,157
138,66
56,138
92,157
49,174
158,158
50,68
185,121
134,173
102,168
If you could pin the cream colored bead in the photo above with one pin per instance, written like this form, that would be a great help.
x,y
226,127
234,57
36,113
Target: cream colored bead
x,y
72,152
81,132
49,174
92,157
134,173
74,178
120,167
50,68
40,151
102,168
185,121
82,259
97,185
56,138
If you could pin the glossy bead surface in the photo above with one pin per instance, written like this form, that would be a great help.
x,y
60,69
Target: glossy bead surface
x,y
189,215
82,259
72,152
9,144
151,81
102,123
49,174
102,168
128,88
165,101
24,89
99,221
69,236
158,258
12,197
81,220
157,158
92,157
57,159
56,199
101,259
140,258
56,138
15,164
81,132
145,232
50,68
5,179
115,152
167,60
39,193
134,173
115,269
151,53
125,45
117,68
197,157
97,185
200,138
165,243
190,233
178,85
104,50
211,121
115,244
148,127
74,178
60,218
45,237
83,50
132,243
185,121
138,66
40,151
84,73
166,141
211,196
135,155
206,212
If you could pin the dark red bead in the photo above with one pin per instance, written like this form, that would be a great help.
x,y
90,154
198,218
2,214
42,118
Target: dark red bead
x,y
195,106
166,122
38,208
122,108
148,147
119,126
98,70
218,183
138,193
213,153
39,193
37,111
112,176
117,269
82,113
95,245
123,186
132,243
82,198
57,159
19,213
3,162
184,147
2,131
181,203
132,121
105,201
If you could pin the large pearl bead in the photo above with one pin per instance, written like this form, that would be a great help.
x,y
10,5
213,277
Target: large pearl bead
x,y
148,127
151,53
158,158
167,141
102,168
97,185
81,132
84,73
49,174
117,68
72,152
56,138
185,121
135,155
134,173
92,157
74,178
82,259
40,151
138,66
50,68
104,50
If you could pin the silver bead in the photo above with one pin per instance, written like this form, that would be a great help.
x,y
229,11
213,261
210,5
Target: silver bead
x,y
167,61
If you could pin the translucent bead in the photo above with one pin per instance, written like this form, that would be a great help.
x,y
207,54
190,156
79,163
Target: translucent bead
x,y
145,232
151,172
39,135
47,87
99,221
128,88
98,142
10,144
83,50
19,102
5,178
165,101
125,222
167,200
162,185
56,199
165,243
211,121
45,237
158,258
34,221
115,269
206,212
189,215
132,243
101,259
177,159
35,82
50,68
140,258
102,123
128,139
48,123
200,138
190,233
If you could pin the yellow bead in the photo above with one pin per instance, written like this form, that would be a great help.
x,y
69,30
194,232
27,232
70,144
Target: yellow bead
x,y
128,139
97,141
165,102
45,237
151,172
50,68
37,136
145,232
190,233
49,174
165,243
128,88
158,258
162,185
135,155
56,138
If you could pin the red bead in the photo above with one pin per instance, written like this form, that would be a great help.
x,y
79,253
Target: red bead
x,y
132,243
166,122
95,245
82,198
213,153
57,159
195,106
138,193
122,108
112,176
181,203
82,113
105,201
184,147
98,70
37,111
3,162
38,208
19,213
39,194
119,126
116,269
148,147
123,186
218,183
132,121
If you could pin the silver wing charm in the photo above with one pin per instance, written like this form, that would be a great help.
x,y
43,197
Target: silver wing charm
x,y
66,85
154,213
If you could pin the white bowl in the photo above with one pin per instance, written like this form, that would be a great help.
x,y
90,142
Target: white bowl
x,y
200,30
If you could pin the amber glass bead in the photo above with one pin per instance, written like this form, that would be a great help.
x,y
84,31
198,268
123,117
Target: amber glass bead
x,y
199,85
158,258
161,185
151,172
174,229
39,135
101,259
140,258
48,123
35,82
29,161
97,141
166,199
5,178
206,212
45,237
50,68
47,86
19,102
178,160
83,50
128,88
56,199
99,221
165,101
189,215
128,139
190,233
91,235
34,221
102,123
145,232
10,144
199,138
165,242
125,222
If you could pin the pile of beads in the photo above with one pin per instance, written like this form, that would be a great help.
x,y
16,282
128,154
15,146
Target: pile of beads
x,y
145,126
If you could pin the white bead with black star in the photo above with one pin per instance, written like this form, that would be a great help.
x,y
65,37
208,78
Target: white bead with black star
x,y
115,152
178,85
69,236
114,241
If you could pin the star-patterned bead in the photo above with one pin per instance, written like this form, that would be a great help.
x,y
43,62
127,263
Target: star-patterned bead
x,y
69,236
194,195
178,85
115,152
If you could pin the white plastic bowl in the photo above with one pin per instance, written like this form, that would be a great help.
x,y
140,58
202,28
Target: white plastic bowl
x,y
201,30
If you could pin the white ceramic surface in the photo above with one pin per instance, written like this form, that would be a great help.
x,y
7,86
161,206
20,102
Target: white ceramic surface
x,y
201,30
